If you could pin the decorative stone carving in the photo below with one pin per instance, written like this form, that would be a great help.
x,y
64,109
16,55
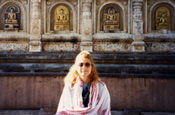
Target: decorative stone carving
x,y
61,46
111,19
25,2
137,9
138,45
74,3
35,39
111,47
48,3
12,18
163,18
160,47
86,42
125,3
61,18
100,1
13,46
138,27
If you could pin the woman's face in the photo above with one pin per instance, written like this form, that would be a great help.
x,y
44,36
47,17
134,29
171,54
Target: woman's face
x,y
84,68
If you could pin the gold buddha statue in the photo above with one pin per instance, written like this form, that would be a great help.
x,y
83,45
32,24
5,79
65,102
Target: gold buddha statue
x,y
61,19
111,20
162,18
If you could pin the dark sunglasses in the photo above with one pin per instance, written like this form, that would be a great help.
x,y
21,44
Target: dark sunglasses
x,y
85,64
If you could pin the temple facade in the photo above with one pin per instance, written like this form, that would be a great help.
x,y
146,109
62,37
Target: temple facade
x,y
131,41
93,25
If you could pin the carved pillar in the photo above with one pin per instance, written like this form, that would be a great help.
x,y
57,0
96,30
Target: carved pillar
x,y
86,37
138,44
35,38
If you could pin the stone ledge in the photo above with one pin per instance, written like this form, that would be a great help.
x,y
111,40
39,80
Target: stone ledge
x,y
73,37
104,70
112,37
14,37
155,65
159,37
99,58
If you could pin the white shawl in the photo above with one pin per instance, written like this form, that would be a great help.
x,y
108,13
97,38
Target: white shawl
x,y
71,102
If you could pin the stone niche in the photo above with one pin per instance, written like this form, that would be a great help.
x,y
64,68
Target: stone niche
x,y
162,17
61,27
13,16
61,19
13,26
112,18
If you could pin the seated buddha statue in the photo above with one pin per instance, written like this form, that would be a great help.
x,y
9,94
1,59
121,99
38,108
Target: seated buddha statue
x,y
11,22
11,17
61,21
111,20
162,18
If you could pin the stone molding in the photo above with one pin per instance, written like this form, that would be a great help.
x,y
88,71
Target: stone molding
x,y
158,37
16,36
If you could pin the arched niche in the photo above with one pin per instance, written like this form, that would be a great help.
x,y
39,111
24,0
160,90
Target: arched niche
x,y
21,14
68,17
111,18
162,17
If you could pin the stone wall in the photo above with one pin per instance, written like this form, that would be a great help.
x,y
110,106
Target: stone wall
x,y
135,80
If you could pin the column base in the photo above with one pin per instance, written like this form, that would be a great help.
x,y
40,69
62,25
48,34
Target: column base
x,y
86,46
35,43
138,46
35,48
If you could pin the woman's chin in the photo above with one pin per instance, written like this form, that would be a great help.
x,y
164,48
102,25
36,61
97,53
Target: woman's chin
x,y
84,76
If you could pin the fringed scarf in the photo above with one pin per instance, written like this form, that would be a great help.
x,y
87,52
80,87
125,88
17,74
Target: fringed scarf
x,y
71,101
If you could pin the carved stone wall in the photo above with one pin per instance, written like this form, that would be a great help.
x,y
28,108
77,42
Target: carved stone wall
x,y
86,23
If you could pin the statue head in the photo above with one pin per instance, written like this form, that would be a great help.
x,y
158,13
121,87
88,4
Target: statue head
x,y
12,10
61,11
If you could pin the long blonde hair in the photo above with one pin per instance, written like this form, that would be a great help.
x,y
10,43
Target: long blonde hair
x,y
73,74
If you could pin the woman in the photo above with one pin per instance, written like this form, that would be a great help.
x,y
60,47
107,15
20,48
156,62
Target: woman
x,y
84,93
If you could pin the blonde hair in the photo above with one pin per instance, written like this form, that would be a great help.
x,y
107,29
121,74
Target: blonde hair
x,y
73,74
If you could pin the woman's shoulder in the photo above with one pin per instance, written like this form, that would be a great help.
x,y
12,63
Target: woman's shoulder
x,y
102,87
101,84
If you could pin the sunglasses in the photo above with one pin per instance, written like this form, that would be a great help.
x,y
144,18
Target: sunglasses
x,y
84,64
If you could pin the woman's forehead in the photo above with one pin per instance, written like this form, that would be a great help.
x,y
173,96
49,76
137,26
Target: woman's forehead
x,y
82,59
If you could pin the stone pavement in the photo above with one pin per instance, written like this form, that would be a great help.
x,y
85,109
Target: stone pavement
x,y
52,111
